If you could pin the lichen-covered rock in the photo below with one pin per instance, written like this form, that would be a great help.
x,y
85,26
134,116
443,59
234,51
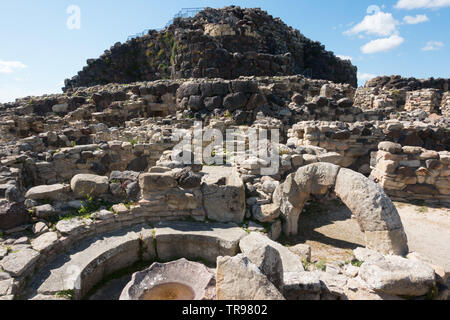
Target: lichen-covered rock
x,y
390,147
45,242
224,197
73,226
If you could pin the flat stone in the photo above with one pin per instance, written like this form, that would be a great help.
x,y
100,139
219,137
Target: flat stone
x,y
224,202
302,286
16,263
39,228
102,215
45,242
398,276
120,209
22,240
84,265
357,289
412,150
429,154
52,192
239,279
192,240
73,226
83,185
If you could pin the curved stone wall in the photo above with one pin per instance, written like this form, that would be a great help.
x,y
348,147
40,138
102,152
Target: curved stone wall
x,y
376,214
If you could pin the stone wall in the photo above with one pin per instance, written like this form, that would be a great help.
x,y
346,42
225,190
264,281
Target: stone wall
x,y
217,43
374,98
400,94
285,98
62,164
292,98
445,105
412,172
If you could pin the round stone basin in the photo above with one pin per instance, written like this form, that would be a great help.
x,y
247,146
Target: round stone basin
x,y
177,280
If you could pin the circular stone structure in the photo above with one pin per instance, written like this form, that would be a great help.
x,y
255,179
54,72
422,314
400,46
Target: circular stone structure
x,y
177,280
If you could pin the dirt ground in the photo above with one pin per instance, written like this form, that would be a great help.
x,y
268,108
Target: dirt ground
x,y
332,233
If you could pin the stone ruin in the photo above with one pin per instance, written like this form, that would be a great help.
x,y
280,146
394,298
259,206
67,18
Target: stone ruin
x,y
89,185
216,43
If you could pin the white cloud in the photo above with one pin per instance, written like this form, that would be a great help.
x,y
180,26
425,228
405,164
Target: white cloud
x,y
344,57
11,66
381,45
418,4
417,19
433,45
378,23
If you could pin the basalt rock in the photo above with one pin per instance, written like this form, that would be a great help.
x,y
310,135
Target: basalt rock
x,y
12,214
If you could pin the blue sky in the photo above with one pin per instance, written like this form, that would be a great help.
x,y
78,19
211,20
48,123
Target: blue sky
x,y
38,51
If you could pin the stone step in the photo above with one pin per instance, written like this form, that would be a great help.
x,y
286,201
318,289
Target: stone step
x,y
190,240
